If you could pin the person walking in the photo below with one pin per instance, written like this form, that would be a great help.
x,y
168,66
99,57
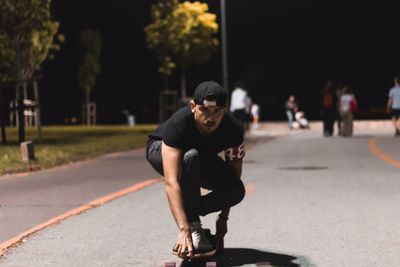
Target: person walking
x,y
247,112
239,102
328,109
339,92
255,116
291,109
393,106
184,149
348,105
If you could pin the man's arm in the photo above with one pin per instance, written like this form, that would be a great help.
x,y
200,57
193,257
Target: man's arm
x,y
171,161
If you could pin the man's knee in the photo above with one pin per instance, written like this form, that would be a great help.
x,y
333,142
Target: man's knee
x,y
239,192
191,159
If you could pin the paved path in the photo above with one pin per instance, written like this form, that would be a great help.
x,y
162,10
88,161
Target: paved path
x,y
33,198
311,201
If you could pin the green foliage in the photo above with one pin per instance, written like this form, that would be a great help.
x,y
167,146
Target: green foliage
x,y
90,68
158,32
193,32
7,59
181,34
27,37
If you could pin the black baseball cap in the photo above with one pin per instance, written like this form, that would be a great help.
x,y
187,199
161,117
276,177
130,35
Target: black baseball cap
x,y
210,94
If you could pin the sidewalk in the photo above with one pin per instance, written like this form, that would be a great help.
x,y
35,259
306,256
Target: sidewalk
x,y
360,127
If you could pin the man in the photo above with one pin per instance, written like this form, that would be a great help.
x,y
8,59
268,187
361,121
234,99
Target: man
x,y
393,105
291,109
185,150
339,92
239,102
255,115
328,108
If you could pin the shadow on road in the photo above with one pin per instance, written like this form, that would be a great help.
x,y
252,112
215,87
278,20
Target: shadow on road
x,y
243,256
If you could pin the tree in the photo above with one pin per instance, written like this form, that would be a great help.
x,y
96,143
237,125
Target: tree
x,y
91,66
28,35
7,58
181,34
193,37
157,36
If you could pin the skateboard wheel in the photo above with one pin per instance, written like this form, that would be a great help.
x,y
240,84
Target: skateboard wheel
x,y
211,264
170,264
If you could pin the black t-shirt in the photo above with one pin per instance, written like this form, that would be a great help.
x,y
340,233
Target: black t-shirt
x,y
180,131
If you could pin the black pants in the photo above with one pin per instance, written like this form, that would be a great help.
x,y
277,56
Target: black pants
x,y
197,171
328,120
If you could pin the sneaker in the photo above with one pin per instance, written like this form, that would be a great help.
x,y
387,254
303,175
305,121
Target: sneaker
x,y
199,238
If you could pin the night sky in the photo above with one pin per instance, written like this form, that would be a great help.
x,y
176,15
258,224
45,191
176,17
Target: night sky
x,y
275,47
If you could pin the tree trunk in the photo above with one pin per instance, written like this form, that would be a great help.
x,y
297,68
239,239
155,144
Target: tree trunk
x,y
183,84
87,109
20,101
2,120
20,115
27,119
165,80
37,111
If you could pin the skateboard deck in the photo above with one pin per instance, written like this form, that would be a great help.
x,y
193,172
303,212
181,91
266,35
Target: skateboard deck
x,y
218,247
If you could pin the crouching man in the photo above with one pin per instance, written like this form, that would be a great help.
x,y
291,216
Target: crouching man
x,y
185,149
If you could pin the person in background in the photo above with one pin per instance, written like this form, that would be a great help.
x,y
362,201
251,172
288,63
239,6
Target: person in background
x,y
238,102
255,116
247,111
328,109
347,101
339,92
393,106
291,109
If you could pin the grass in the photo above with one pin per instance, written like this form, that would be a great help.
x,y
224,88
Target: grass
x,y
63,144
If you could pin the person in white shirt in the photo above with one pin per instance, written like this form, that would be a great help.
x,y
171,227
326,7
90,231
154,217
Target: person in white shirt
x,y
346,112
238,102
255,115
393,106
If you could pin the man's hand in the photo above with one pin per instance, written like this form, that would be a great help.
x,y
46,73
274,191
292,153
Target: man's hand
x,y
222,226
184,245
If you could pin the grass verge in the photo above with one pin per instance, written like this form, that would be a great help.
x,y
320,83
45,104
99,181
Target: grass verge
x,y
64,144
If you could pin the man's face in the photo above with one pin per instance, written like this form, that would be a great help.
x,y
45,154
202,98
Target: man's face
x,y
207,118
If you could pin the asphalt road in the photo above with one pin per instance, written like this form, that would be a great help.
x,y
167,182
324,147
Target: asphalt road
x,y
311,201
33,198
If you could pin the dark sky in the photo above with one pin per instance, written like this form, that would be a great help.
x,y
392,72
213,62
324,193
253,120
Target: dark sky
x,y
275,47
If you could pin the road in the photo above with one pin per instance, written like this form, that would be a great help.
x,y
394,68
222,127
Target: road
x,y
32,198
310,201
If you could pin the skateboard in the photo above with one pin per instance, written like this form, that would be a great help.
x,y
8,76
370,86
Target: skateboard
x,y
218,247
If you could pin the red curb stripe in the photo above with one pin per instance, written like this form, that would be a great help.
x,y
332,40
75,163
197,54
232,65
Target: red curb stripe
x,y
92,204
380,154
250,187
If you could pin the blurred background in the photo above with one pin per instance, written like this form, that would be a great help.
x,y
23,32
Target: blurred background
x,y
276,47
